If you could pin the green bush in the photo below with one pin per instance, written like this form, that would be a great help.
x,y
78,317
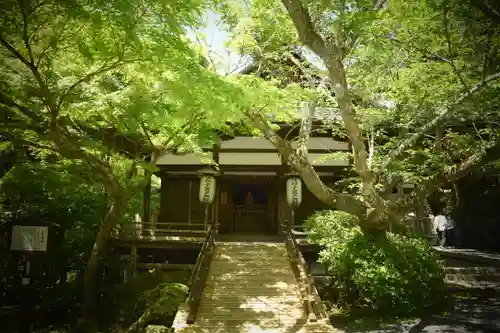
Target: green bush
x,y
392,274
152,295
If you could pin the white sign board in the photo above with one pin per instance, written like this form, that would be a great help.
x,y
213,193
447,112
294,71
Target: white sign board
x,y
29,238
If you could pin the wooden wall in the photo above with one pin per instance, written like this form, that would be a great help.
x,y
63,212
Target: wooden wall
x,y
226,205
180,202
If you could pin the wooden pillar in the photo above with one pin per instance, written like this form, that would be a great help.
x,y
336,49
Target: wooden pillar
x,y
283,209
133,259
147,201
215,210
163,198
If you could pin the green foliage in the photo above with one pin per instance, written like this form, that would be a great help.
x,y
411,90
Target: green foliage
x,y
155,295
395,274
57,194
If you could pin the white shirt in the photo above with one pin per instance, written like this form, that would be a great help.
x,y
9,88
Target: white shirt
x,y
440,222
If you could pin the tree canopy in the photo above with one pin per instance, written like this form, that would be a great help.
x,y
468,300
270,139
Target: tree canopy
x,y
98,90
415,84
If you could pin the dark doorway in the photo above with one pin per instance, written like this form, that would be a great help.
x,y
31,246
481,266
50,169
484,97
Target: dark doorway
x,y
251,205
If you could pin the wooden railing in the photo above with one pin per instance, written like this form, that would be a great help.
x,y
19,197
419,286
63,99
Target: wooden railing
x,y
199,275
140,229
310,295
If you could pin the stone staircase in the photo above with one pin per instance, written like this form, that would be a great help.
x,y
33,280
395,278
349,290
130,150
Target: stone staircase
x,y
471,269
250,288
472,275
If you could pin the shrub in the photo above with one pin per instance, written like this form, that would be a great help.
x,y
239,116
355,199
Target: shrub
x,y
151,296
393,274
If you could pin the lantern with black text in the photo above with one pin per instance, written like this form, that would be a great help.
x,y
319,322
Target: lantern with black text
x,y
294,191
207,189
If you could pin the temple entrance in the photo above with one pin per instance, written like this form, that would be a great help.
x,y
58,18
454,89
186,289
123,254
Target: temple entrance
x,y
250,208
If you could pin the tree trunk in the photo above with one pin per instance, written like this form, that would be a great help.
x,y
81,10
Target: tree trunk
x,y
90,276
299,163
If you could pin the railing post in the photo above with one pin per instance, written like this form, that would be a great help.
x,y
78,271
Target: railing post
x,y
133,259
206,216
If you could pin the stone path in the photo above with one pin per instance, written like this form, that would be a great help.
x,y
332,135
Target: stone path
x,y
477,307
476,311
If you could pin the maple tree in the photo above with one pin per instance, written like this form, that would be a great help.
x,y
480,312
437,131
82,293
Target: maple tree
x,y
414,69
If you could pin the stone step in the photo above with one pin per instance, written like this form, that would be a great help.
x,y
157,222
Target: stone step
x,y
472,270
461,284
473,277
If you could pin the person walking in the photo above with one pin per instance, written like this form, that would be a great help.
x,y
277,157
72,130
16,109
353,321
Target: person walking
x,y
440,225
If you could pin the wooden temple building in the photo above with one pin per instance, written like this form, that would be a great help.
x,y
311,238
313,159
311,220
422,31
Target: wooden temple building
x,y
250,187
220,212
249,200
249,206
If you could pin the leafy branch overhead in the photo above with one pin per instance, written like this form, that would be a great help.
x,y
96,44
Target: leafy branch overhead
x,y
107,84
398,72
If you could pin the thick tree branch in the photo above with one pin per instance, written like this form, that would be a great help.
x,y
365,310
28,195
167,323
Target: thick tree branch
x,y
455,172
14,52
332,54
332,58
301,165
305,28
9,102
442,114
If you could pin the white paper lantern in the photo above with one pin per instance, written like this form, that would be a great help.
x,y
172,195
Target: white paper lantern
x,y
207,189
294,191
